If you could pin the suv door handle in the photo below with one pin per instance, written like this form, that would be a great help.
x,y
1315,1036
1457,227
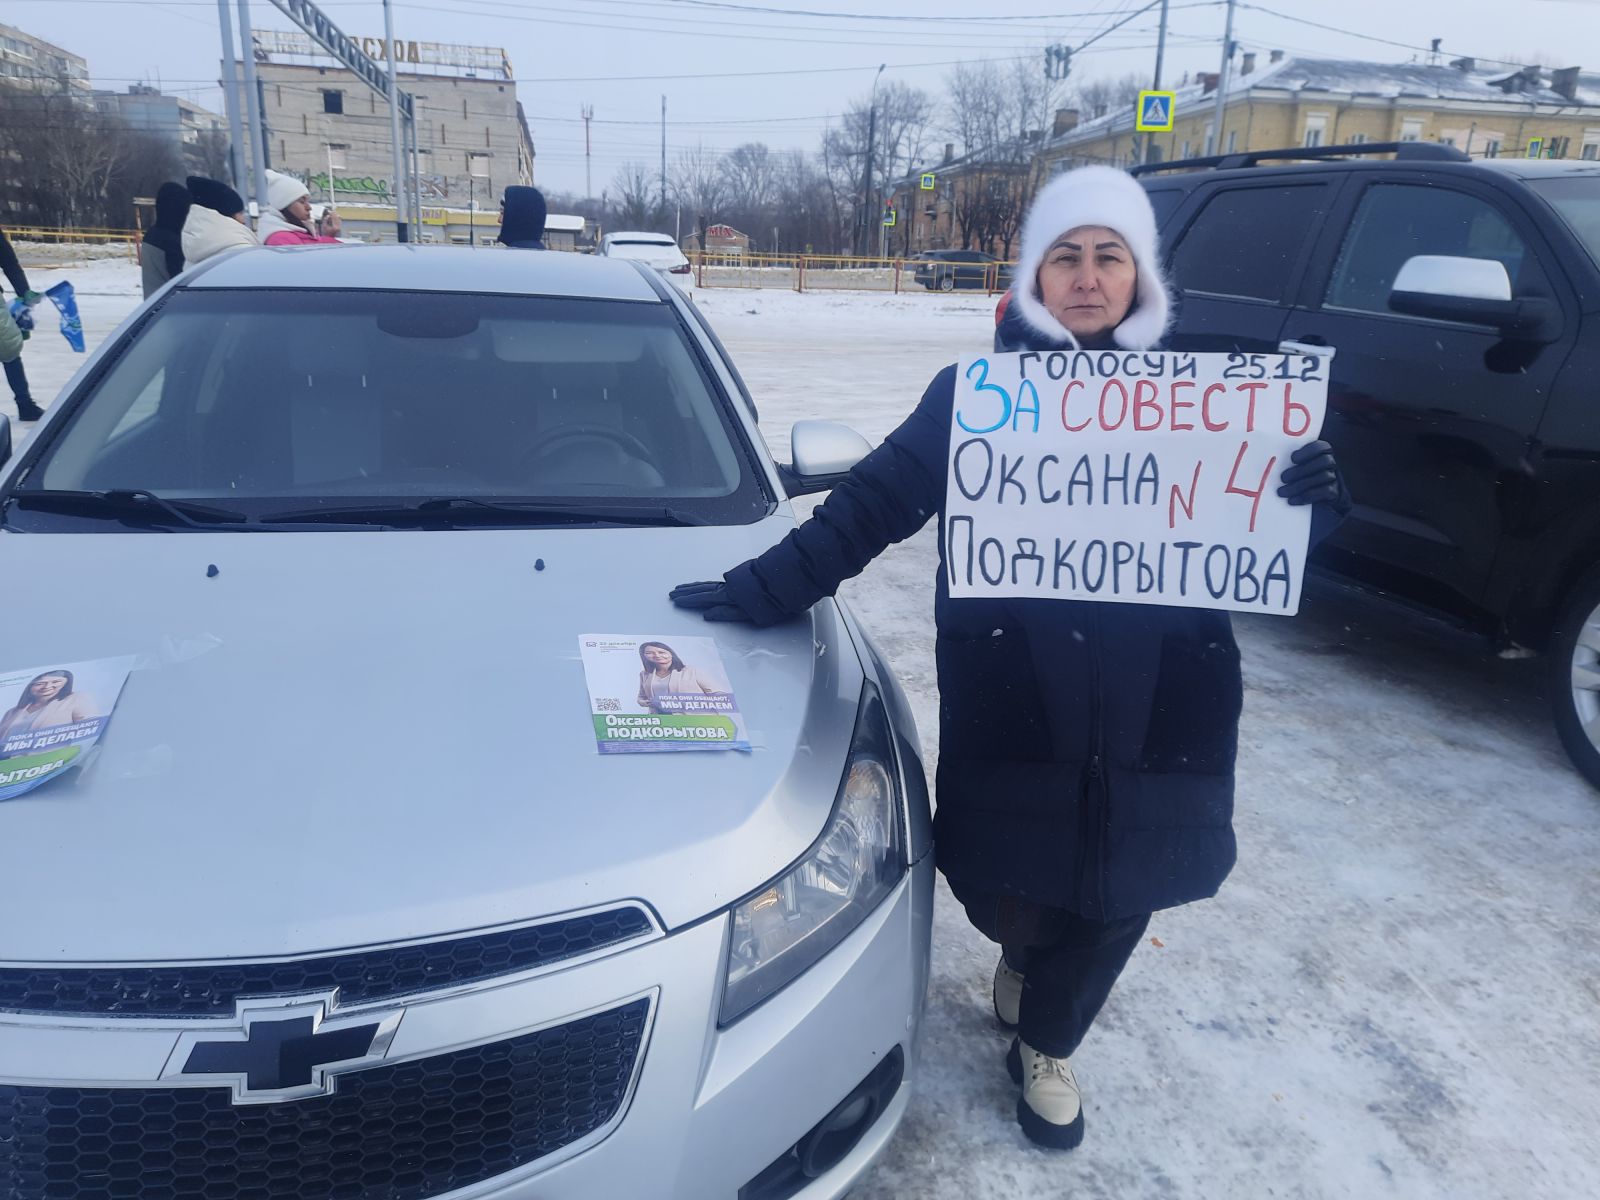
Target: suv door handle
x,y
1308,348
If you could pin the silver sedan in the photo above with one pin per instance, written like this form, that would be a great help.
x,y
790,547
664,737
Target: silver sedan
x,y
347,902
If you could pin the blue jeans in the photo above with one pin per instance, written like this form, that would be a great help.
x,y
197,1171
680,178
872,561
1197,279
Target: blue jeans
x,y
18,379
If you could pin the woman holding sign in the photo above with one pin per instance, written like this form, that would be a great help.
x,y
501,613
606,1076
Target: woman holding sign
x,y
1086,750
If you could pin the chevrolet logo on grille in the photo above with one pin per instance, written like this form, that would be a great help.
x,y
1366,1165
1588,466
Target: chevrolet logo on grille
x,y
282,1048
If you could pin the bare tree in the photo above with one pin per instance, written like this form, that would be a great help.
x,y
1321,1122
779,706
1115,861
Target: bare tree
x,y
638,206
698,186
209,154
1097,97
64,162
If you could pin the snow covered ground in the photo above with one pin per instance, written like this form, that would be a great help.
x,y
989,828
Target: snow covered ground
x,y
1398,991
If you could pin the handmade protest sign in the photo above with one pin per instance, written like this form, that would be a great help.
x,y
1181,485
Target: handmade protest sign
x,y
648,694
1131,477
50,716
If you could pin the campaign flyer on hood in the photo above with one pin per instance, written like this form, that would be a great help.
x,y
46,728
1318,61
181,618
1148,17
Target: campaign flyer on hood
x,y
648,695
51,716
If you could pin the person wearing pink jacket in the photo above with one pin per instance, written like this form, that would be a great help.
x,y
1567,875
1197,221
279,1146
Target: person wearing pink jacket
x,y
287,219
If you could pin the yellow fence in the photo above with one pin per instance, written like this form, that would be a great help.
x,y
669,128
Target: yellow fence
x,y
837,272
75,237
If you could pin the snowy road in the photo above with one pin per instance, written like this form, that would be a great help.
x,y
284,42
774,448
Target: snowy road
x,y
1396,994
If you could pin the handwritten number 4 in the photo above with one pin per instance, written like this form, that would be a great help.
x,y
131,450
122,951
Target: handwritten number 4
x,y
1255,496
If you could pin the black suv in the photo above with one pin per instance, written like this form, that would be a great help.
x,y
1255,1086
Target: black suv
x,y
1461,299
949,269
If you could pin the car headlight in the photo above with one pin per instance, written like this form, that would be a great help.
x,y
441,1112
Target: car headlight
x,y
808,910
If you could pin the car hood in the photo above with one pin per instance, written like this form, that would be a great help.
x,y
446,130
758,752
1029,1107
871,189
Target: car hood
x,y
344,738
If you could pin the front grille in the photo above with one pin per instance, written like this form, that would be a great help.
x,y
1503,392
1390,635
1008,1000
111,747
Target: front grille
x,y
360,976
403,1132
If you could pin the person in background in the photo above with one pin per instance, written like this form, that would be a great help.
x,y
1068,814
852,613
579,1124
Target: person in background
x,y
287,221
216,221
27,410
522,213
161,254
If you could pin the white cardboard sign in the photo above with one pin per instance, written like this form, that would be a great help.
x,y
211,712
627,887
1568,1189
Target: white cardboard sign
x,y
1131,477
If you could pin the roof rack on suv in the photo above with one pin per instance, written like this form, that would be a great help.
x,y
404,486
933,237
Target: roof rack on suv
x,y
1404,151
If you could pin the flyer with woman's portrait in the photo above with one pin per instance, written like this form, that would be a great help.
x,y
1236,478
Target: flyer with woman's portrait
x,y
648,695
51,715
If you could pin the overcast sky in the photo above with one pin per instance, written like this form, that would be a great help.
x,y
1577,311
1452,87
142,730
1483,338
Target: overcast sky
x,y
776,70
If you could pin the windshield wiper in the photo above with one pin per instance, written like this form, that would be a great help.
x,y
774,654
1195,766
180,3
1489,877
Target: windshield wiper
x,y
139,503
457,510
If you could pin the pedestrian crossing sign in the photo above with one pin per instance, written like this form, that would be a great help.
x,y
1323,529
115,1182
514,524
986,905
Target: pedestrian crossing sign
x,y
889,218
927,182
1535,147
1155,112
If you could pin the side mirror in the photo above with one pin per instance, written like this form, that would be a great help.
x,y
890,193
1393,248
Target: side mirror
x,y
1476,291
823,453
5,439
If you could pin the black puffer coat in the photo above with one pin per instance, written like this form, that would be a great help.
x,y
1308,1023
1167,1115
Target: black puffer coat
x,y
1086,751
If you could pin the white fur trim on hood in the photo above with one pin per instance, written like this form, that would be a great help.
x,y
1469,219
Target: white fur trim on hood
x,y
283,190
1095,196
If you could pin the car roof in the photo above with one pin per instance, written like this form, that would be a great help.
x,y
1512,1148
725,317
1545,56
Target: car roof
x,y
427,269
1523,168
626,235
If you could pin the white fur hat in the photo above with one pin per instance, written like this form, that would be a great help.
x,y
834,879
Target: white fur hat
x,y
1095,196
283,190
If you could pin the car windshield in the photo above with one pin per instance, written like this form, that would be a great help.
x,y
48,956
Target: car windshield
x,y
1577,199
267,403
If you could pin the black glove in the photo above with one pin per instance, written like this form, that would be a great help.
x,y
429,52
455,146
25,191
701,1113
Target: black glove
x,y
1314,476
710,600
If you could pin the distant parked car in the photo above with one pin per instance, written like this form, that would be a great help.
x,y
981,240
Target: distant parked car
x,y
653,249
946,270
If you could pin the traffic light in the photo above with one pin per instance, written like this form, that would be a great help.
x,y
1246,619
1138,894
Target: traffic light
x,y
1057,61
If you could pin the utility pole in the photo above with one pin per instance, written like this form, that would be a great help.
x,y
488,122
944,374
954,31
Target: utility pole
x,y
866,182
663,157
1161,45
402,229
1222,84
230,82
247,56
1146,143
588,184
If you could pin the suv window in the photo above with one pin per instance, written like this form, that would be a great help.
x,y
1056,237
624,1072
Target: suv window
x,y
1165,201
1247,241
1396,221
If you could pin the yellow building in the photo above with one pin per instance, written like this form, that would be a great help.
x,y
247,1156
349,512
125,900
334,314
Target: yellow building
x,y
1483,111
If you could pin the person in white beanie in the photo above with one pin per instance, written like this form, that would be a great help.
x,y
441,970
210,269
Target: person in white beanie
x,y
1086,751
287,221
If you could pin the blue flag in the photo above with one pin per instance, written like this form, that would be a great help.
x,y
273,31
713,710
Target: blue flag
x,y
66,302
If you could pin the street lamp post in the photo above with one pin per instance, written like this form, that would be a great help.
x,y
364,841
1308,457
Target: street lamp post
x,y
866,186
477,168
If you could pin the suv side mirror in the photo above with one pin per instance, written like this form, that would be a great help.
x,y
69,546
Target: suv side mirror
x,y
1476,291
5,439
823,453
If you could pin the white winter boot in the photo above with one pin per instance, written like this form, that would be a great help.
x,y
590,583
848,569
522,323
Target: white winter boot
x,y
1050,1109
1007,993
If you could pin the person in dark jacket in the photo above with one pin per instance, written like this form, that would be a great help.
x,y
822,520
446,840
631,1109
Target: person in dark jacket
x,y
16,377
522,213
1086,750
161,255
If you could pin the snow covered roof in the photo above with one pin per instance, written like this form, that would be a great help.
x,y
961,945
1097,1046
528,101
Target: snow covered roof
x,y
563,223
1355,77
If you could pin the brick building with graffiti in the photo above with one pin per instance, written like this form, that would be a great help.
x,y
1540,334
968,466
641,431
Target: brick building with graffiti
x,y
472,134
